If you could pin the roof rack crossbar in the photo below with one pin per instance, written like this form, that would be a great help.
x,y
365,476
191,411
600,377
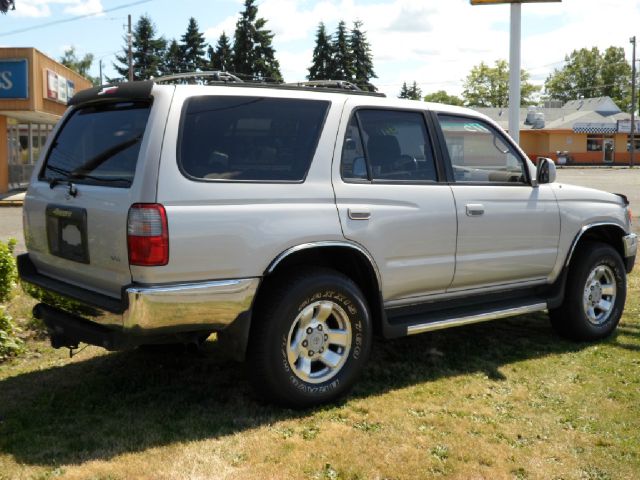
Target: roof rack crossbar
x,y
215,75
340,84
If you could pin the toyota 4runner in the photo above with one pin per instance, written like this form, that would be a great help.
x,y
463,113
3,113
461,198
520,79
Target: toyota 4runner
x,y
298,221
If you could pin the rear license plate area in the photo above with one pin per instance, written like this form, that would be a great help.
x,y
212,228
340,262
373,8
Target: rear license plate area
x,y
67,232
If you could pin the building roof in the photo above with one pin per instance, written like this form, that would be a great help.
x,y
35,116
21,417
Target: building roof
x,y
588,115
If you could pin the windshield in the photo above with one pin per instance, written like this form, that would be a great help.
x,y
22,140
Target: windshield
x,y
98,145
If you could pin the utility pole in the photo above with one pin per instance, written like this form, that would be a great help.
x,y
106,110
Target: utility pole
x,y
514,72
100,66
130,53
632,151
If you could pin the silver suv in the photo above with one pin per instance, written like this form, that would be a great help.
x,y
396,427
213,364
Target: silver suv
x,y
297,221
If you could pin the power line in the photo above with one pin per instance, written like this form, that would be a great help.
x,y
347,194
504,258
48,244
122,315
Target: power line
x,y
72,19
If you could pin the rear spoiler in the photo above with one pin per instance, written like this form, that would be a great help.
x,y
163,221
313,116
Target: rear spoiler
x,y
118,92
623,197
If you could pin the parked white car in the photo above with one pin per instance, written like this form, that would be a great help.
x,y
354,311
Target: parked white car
x,y
298,221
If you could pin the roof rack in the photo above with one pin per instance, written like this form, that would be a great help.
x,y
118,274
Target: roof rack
x,y
217,77
192,77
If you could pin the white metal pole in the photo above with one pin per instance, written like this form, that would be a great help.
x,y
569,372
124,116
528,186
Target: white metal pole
x,y
514,72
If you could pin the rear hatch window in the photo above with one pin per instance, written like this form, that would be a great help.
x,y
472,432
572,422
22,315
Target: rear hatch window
x,y
98,145
249,138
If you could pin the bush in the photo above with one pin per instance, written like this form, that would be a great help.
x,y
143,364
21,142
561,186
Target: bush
x,y
10,344
8,272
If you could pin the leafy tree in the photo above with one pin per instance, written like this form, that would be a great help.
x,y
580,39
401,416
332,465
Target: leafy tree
x,y
173,59
148,52
6,5
442,96
193,46
361,57
411,93
221,58
322,56
487,86
342,65
79,65
253,54
590,73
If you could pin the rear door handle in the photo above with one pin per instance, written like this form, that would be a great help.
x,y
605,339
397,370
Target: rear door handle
x,y
474,209
359,214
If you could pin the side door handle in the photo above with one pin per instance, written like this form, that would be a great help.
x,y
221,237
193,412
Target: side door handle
x,y
474,209
358,214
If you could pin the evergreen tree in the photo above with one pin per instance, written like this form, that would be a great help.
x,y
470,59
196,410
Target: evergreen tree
x,y
411,93
342,65
173,59
322,56
404,91
220,58
6,5
193,46
253,54
148,52
361,57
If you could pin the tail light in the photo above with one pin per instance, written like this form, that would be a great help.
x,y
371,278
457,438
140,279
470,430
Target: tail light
x,y
147,235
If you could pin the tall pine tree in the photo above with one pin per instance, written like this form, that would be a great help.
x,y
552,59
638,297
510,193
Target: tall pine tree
x,y
220,58
193,46
148,52
322,56
173,59
342,65
253,54
361,57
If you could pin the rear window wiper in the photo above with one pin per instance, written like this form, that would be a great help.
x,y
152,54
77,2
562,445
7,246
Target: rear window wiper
x,y
102,157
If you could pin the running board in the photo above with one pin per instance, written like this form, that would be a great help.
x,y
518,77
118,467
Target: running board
x,y
494,314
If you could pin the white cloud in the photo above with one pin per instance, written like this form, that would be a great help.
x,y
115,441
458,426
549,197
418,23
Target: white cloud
x,y
43,8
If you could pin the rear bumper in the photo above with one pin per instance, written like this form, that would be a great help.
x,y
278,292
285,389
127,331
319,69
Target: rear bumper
x,y
630,244
142,312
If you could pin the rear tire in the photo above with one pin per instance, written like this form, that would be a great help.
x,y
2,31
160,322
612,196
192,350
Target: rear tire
x,y
595,294
310,339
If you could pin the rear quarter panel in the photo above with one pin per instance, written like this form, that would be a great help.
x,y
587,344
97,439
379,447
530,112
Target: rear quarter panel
x,y
221,229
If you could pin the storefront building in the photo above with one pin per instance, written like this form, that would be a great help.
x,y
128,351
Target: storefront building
x,y
590,131
34,90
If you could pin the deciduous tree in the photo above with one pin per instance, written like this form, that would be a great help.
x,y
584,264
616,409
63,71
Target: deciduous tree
x,y
80,65
6,5
441,96
487,86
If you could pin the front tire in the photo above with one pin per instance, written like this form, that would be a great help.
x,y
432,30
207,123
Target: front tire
x,y
310,339
595,294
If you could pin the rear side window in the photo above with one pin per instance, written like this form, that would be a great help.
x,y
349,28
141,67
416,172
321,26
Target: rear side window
x,y
98,145
387,145
249,138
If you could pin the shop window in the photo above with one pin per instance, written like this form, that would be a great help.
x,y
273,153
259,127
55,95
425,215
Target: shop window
x,y
594,143
637,143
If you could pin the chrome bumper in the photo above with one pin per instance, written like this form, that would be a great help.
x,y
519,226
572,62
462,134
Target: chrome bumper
x,y
214,304
630,243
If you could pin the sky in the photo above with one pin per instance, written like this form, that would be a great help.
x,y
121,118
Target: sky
x,y
432,42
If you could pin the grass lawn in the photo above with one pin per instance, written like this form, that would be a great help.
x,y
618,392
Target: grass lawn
x,y
502,400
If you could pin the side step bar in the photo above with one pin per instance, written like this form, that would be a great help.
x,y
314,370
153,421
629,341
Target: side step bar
x,y
494,314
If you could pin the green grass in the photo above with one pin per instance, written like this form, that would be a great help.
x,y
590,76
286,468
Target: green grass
x,y
507,399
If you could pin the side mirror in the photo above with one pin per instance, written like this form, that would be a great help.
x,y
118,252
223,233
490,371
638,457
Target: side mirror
x,y
546,172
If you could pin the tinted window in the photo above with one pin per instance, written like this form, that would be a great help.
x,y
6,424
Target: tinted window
x,y
249,138
99,145
479,153
396,144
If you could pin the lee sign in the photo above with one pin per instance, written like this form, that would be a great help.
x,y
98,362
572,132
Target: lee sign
x,y
13,79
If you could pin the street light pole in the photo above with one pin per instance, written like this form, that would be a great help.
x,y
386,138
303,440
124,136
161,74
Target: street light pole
x,y
514,72
632,151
